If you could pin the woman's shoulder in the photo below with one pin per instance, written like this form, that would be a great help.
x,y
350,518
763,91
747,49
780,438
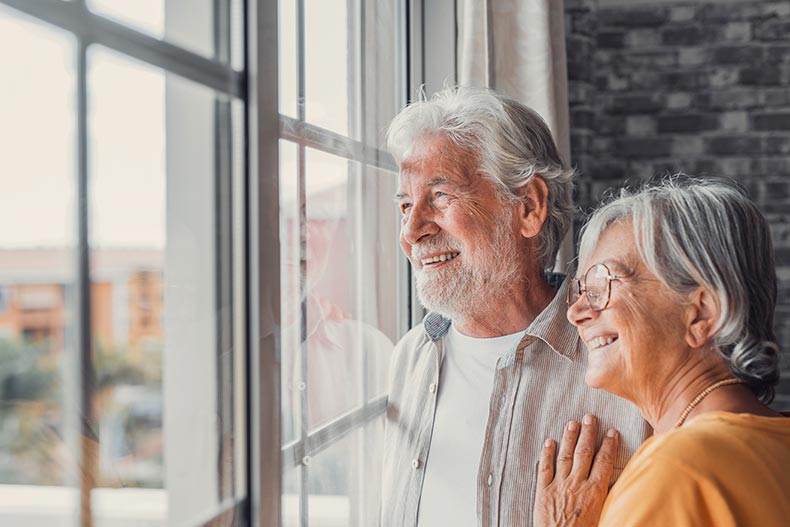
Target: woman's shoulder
x,y
710,436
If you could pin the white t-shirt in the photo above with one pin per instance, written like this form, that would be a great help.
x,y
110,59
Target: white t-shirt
x,y
449,490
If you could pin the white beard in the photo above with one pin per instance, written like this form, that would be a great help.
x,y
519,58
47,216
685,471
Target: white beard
x,y
475,284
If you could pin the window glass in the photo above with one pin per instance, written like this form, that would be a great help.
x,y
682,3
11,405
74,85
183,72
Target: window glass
x,y
162,268
186,23
38,424
288,58
330,70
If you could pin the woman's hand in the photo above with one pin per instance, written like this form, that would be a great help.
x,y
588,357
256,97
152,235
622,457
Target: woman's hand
x,y
572,495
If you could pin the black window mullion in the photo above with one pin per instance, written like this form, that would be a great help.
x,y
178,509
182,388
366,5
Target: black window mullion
x,y
89,441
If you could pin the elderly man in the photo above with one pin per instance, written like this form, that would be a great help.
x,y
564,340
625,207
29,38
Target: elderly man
x,y
495,368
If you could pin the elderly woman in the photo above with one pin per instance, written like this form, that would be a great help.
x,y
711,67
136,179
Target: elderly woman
x,y
675,305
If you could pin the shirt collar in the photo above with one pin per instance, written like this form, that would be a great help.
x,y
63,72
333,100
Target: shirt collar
x,y
551,325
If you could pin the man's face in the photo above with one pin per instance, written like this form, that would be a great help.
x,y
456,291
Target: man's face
x,y
462,239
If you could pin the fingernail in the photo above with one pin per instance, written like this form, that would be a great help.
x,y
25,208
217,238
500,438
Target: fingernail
x,y
588,419
612,433
548,443
572,426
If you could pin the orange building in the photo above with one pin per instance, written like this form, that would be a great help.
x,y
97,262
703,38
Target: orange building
x,y
38,297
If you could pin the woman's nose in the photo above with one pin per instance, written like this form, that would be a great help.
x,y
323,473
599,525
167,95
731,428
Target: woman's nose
x,y
579,312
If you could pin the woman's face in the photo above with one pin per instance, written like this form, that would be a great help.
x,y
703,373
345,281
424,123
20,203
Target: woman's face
x,y
638,340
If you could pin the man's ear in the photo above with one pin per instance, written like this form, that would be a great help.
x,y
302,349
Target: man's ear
x,y
534,207
702,317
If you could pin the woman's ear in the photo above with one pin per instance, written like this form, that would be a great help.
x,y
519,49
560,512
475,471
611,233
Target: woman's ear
x,y
534,207
702,318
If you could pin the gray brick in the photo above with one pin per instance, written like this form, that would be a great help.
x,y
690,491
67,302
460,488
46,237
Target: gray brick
x,y
636,125
777,190
737,31
776,166
687,123
728,99
636,147
773,29
610,39
734,121
780,8
579,93
582,118
730,145
630,104
688,147
642,38
583,24
677,101
689,35
737,54
760,76
776,97
651,59
729,11
692,56
682,80
776,144
645,80
614,170
778,52
771,121
637,17
682,13
724,77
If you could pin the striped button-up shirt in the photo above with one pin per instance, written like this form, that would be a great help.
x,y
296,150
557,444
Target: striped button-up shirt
x,y
538,388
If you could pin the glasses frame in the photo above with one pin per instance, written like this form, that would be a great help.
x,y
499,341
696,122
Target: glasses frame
x,y
578,286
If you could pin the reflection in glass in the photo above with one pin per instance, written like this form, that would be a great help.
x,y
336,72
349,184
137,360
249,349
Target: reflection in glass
x,y
37,272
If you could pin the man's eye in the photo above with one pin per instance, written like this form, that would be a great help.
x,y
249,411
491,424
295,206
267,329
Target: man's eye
x,y
404,207
440,194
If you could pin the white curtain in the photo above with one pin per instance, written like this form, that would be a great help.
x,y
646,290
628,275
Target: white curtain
x,y
517,47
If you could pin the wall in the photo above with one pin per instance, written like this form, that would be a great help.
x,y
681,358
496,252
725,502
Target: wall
x,y
699,87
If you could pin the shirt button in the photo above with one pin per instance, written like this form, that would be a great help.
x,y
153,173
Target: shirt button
x,y
490,479
416,463
432,387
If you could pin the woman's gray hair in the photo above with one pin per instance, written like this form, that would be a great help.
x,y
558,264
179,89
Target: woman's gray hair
x,y
691,233
512,142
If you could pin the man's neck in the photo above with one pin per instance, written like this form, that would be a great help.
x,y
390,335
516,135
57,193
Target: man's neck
x,y
508,315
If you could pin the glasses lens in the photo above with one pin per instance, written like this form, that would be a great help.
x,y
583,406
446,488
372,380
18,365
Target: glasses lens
x,y
597,281
574,291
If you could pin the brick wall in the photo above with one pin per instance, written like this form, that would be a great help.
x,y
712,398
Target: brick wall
x,y
700,87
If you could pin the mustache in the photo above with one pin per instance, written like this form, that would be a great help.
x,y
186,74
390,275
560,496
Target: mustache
x,y
443,244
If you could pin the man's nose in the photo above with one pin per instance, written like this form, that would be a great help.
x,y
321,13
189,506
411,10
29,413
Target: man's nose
x,y
419,224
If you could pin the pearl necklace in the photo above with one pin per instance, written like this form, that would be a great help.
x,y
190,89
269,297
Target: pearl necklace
x,y
701,395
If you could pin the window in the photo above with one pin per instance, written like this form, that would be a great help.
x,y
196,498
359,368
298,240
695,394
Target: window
x,y
343,301
202,287
122,367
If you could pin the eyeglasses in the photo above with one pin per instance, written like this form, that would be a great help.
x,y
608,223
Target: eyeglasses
x,y
596,283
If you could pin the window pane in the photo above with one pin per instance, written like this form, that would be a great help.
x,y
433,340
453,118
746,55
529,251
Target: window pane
x,y
186,23
342,480
162,288
384,67
288,58
38,423
329,66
